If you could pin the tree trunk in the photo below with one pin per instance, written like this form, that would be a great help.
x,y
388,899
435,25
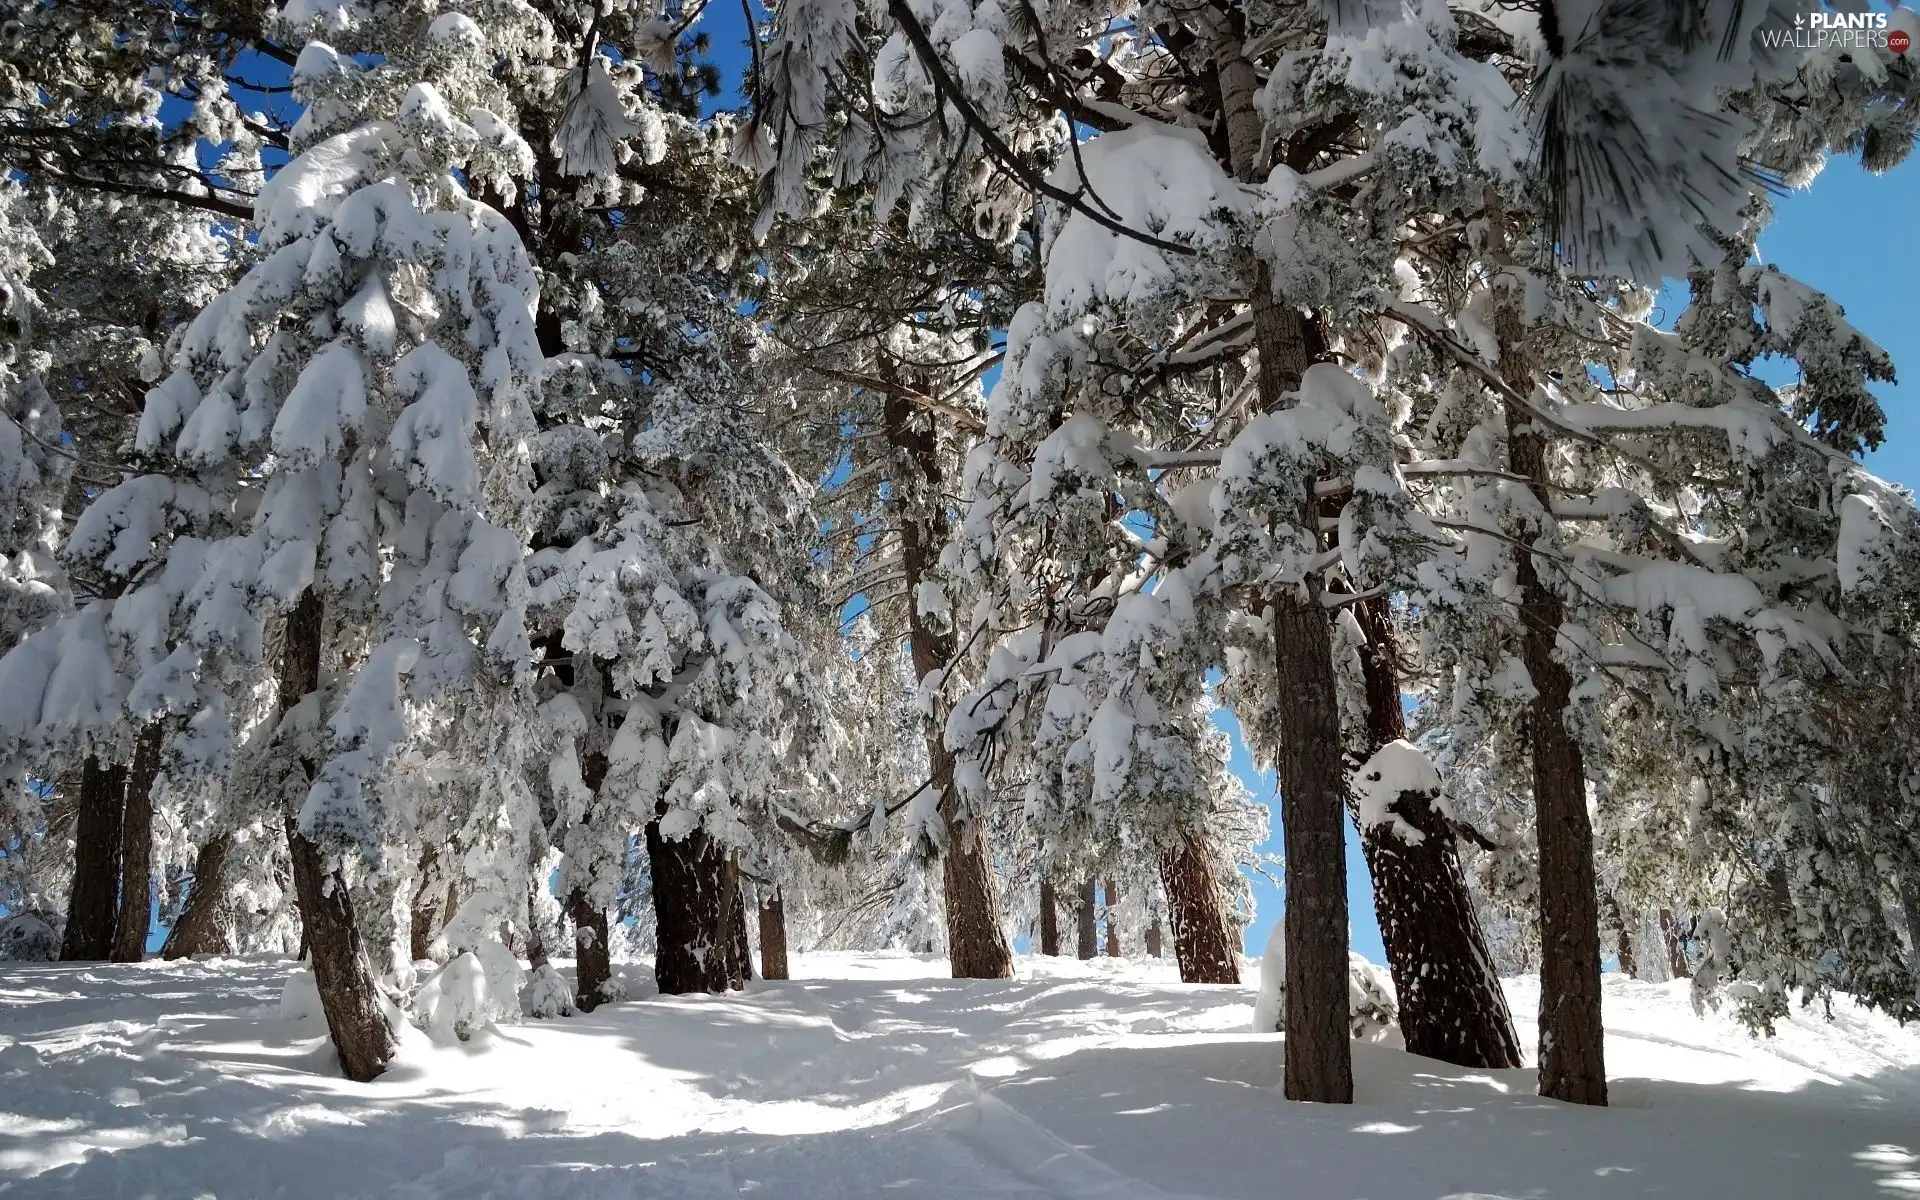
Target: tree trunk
x,y
1319,1054
1203,941
1572,1066
697,916
136,849
1677,948
536,944
733,917
1087,944
94,905
422,926
355,1010
1049,919
773,938
1451,1004
976,942
1622,938
201,928
1153,938
1113,925
592,955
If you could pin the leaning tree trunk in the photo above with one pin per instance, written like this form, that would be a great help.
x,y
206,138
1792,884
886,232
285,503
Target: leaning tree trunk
x,y
1451,1004
1113,926
698,917
1572,1065
1203,939
773,937
1049,919
136,849
201,927
94,906
1087,942
350,998
976,941
1319,1053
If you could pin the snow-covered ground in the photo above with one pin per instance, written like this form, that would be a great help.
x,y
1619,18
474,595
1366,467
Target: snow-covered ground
x,y
872,1076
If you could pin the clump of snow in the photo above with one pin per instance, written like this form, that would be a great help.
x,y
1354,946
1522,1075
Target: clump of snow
x,y
480,983
547,994
300,999
1372,1008
1394,770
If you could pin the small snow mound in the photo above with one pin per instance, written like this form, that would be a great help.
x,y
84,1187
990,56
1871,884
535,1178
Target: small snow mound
x,y
455,1002
26,938
546,994
1373,1010
300,1000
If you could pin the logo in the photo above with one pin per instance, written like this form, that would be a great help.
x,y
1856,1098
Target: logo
x,y
1819,29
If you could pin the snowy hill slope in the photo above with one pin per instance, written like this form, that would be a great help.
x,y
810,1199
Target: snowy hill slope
x,y
872,1076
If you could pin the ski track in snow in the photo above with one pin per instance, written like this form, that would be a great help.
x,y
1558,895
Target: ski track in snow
x,y
871,1076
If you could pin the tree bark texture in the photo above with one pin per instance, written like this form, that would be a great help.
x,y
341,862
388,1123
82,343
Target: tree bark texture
x,y
592,956
1049,919
1153,939
356,1014
136,849
698,913
1451,1004
976,941
1319,1064
1204,944
424,919
1572,1065
1086,944
1676,946
94,904
1112,897
202,926
773,938
592,950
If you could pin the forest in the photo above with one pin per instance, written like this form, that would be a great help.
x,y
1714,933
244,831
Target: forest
x,y
524,506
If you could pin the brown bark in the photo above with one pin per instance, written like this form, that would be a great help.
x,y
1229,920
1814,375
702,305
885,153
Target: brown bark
x,y
1203,940
1572,1066
136,849
1451,1004
699,915
1086,944
1319,1055
976,941
592,956
1049,919
592,951
425,916
201,928
1622,938
1677,948
773,938
1113,926
94,904
356,1016
1153,939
